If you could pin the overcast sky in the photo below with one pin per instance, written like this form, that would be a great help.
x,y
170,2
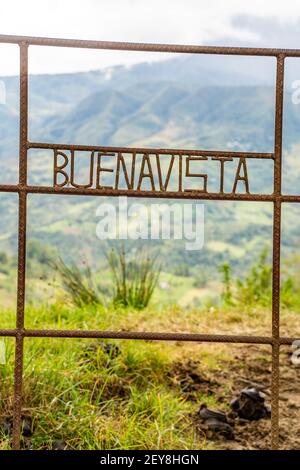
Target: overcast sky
x,y
228,22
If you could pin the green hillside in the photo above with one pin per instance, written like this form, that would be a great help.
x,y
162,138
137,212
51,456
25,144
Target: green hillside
x,y
179,104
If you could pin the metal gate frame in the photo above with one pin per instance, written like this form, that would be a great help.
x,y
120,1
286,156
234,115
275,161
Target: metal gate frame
x,y
22,189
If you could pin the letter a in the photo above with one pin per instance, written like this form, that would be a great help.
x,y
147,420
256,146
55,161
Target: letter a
x,y
239,177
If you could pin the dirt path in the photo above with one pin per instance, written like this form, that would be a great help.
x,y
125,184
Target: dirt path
x,y
253,364
250,365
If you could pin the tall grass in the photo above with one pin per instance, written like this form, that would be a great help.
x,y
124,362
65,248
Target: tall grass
x,y
135,277
78,283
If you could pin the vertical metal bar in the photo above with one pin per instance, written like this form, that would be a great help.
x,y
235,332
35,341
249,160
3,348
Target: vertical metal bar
x,y
276,252
18,372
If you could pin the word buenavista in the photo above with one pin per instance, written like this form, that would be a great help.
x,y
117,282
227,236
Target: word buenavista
x,y
146,172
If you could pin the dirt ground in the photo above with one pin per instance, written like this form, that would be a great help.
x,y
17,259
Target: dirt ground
x,y
249,367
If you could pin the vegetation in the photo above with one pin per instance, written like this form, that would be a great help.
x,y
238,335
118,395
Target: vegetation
x,y
134,277
227,294
94,394
89,394
256,287
133,280
78,283
103,394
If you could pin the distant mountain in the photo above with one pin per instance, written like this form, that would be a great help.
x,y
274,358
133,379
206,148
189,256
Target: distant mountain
x,y
184,102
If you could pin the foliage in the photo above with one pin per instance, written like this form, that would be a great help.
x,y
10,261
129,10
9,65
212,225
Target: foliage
x,y
256,287
3,262
39,252
80,394
227,295
134,277
3,257
38,258
182,269
78,283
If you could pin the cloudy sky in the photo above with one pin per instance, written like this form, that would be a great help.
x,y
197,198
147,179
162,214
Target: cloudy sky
x,y
227,22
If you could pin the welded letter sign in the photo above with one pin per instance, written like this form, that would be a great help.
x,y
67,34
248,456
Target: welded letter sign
x,y
154,171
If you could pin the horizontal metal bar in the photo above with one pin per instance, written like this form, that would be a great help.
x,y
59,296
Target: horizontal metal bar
x,y
287,341
16,188
143,194
195,195
8,332
290,198
9,188
153,336
141,335
147,47
152,151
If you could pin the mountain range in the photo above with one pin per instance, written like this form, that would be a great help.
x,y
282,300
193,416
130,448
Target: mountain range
x,y
186,102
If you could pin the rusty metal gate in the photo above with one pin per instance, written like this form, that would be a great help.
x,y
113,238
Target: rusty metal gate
x,y
22,189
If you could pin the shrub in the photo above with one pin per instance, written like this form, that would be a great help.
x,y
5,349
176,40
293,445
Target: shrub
x,y
78,283
135,277
227,295
257,286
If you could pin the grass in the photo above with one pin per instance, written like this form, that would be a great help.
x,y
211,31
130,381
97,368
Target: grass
x,y
94,394
78,283
76,393
101,403
79,394
134,277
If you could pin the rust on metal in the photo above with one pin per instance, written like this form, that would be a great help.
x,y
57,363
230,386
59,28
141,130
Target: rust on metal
x,y
276,250
131,46
21,243
129,168
140,168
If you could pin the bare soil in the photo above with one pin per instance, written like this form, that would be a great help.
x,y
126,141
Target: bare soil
x,y
250,366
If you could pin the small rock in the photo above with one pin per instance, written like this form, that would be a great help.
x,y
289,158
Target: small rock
x,y
205,413
26,424
250,405
253,394
59,445
6,425
220,428
216,422
111,349
26,443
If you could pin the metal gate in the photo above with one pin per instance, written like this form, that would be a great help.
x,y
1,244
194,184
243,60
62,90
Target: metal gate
x,y
22,189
